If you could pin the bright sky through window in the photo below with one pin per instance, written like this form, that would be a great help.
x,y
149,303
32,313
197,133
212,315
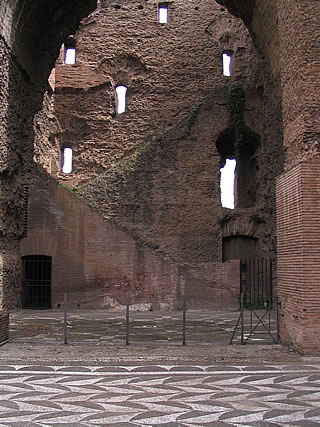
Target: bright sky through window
x,y
226,64
227,178
70,56
67,160
163,14
121,99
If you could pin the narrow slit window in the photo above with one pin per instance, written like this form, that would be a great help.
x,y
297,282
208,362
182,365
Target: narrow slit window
x,y
70,51
70,56
121,92
67,160
227,180
163,13
227,59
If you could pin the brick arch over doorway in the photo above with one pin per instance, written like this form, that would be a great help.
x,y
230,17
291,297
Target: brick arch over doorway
x,y
285,32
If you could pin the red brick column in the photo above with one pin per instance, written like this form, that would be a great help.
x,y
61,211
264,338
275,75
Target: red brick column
x,y
298,231
298,26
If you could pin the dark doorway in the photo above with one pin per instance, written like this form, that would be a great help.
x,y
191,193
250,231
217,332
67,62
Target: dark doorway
x,y
237,247
36,281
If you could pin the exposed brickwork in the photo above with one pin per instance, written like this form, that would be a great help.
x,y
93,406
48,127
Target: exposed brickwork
x,y
285,33
300,69
298,218
99,265
4,327
155,169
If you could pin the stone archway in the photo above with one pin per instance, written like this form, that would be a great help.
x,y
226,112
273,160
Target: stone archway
x,y
31,36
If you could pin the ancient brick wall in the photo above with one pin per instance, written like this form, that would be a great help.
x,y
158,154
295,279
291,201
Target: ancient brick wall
x,y
300,69
99,265
298,255
168,69
18,102
4,327
285,32
154,170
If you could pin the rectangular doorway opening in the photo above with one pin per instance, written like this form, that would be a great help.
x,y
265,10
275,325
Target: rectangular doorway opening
x,y
36,281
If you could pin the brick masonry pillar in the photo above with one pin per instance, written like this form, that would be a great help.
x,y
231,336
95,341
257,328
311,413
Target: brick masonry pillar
x,y
298,233
4,327
298,26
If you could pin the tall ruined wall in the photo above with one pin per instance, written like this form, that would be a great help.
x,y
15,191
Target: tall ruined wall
x,y
300,70
16,137
298,188
154,170
27,48
99,265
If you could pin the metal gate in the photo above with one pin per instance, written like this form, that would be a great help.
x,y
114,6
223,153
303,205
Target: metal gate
x,y
256,283
256,299
36,281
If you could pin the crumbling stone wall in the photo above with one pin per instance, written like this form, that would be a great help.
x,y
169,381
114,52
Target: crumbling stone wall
x,y
284,31
287,33
154,170
27,49
15,150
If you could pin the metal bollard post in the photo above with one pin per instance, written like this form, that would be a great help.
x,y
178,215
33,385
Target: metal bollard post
x,y
127,320
278,320
65,330
242,319
184,309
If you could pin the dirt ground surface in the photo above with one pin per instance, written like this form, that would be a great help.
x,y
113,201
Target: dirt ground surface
x,y
253,354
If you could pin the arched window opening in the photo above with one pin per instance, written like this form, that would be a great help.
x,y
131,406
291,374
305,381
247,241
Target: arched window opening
x,y
163,13
70,52
36,281
226,61
240,167
121,92
67,160
227,182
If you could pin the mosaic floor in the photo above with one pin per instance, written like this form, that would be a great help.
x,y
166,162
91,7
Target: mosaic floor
x,y
159,395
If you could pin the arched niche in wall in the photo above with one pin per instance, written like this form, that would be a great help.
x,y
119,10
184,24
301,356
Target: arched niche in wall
x,y
244,153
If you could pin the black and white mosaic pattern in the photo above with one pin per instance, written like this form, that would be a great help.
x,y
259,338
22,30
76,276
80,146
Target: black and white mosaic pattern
x,y
159,395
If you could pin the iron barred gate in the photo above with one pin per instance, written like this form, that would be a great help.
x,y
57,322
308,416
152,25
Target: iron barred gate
x,y
257,301
36,281
256,283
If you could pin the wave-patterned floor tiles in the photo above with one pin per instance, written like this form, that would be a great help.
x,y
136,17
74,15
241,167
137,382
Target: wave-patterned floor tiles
x,y
159,395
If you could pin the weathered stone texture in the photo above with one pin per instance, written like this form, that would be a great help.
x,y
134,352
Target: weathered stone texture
x,y
10,276
157,175
300,68
154,170
16,137
4,327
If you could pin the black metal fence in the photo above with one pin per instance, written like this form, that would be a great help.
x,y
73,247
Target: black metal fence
x,y
256,283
